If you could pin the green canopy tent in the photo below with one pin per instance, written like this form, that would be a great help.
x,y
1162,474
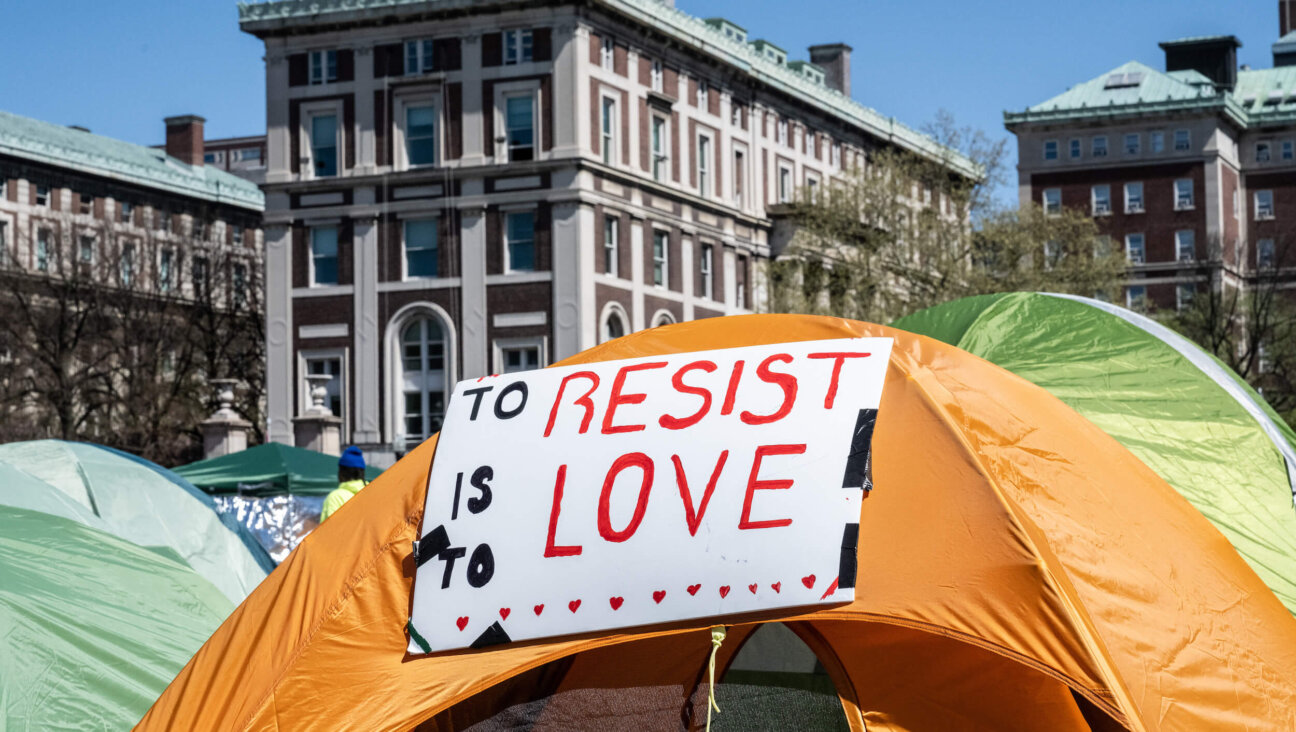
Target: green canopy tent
x,y
135,500
1181,411
92,627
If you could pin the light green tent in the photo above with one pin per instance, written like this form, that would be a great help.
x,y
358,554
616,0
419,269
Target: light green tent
x,y
1181,411
137,501
92,627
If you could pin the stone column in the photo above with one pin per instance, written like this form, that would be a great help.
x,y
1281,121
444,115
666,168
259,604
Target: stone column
x,y
368,341
279,341
317,428
224,432
472,263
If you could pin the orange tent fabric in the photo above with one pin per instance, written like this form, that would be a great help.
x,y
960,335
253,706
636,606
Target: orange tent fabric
x,y
1017,568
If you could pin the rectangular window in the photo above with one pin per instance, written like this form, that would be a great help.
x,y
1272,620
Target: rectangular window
x,y
611,234
1136,297
659,147
165,260
1132,143
1099,148
126,209
250,155
607,53
1134,250
1264,205
1184,292
520,235
836,155
238,280
1052,254
519,358
128,264
1101,199
1157,141
735,116
1053,201
324,145
420,135
740,177
655,77
201,278
782,132
1075,148
1185,245
785,185
609,131
702,91
87,204
1183,189
1050,149
1133,198
1182,140
199,228
236,232
740,284
519,125
1262,152
324,255
42,250
419,58
704,267
421,248
1265,254
163,221
42,195
323,67
704,166
1288,150
517,47
661,251
87,248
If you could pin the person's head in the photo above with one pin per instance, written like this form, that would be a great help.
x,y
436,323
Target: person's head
x,y
351,466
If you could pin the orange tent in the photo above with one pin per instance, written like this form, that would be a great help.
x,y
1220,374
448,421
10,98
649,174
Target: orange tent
x,y
1018,569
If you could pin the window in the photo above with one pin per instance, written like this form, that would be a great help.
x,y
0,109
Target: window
x,y
324,145
1075,148
1050,149
735,116
655,77
1264,205
1133,198
785,185
1183,189
1184,292
1287,150
661,251
165,261
1262,152
250,154
163,221
1185,245
1157,141
1132,143
42,195
1053,201
42,250
1136,297
740,284
517,47
323,67
236,233
659,147
1099,147
1182,140
702,92
740,177
1102,246
609,131
520,235
327,366
519,125
704,165
423,379
1237,203
324,255
782,132
211,158
128,264
1265,253
421,248
611,230
704,268
199,228
201,278
836,155
126,209
607,53
420,135
1052,254
519,358
419,59
87,204
1134,251
1101,199
238,280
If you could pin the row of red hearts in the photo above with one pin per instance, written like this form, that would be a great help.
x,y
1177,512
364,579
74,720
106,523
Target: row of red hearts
x,y
658,596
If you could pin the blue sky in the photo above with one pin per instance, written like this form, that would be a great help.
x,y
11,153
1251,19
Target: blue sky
x,y
119,67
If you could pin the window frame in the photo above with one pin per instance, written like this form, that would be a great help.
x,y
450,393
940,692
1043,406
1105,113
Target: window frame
x,y
423,55
1076,148
1287,150
42,195
126,267
323,61
1136,303
340,354
660,158
703,95
1137,147
611,244
1180,239
1156,142
607,53
784,184
1184,145
1053,146
508,243
609,119
703,162
1044,200
166,269
706,269
1179,200
1180,300
661,265
503,93
312,279
657,76
309,112
405,103
1095,149
520,42
1272,258
1142,248
1129,200
406,250
1267,213
1093,200
1263,151
500,347
42,251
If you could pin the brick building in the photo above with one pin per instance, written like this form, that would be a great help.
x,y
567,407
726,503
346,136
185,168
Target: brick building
x,y
457,189
1191,168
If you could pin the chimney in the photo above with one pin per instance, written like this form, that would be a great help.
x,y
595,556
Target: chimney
x,y
1286,17
1215,57
184,138
834,58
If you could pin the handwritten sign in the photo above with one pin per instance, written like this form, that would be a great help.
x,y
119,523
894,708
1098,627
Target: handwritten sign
x,y
650,490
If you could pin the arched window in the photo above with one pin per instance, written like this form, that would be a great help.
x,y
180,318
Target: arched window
x,y
613,326
663,317
423,379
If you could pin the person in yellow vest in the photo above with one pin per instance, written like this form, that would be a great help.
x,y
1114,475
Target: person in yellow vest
x,y
351,478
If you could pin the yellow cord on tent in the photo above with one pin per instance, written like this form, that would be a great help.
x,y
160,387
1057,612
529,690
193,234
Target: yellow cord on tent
x,y
717,637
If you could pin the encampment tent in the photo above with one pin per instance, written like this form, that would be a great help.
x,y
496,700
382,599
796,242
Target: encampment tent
x,y
92,627
138,501
1179,410
1018,569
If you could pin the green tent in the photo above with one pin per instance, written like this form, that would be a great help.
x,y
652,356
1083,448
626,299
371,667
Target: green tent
x,y
1182,412
269,469
92,627
137,501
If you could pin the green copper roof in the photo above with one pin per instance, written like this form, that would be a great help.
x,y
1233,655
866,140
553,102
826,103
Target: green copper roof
x,y
1267,94
64,147
687,29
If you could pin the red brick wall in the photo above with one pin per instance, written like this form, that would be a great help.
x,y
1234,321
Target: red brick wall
x,y
1282,228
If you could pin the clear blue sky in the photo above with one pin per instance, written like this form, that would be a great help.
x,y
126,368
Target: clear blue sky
x,y
120,67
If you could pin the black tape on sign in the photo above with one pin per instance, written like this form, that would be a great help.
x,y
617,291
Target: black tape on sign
x,y
492,636
436,541
848,566
859,473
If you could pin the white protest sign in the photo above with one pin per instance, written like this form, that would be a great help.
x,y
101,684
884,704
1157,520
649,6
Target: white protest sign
x,y
650,490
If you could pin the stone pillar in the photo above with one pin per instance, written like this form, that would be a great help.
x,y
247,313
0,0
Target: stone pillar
x,y
279,343
368,340
317,428
472,273
224,432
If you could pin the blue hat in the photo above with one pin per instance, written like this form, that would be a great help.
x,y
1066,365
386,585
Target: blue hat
x,y
351,458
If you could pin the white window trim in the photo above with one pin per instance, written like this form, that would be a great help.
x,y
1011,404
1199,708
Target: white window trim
x,y
738,177
310,256
615,220
1129,296
1192,195
785,196
1179,298
609,143
1093,146
404,251
662,317
705,165
400,112
504,43
1174,140
1075,148
664,158
1178,250
665,258
307,143
425,65
607,53
395,392
515,89
1057,150
1272,206
1273,252
504,240
656,76
1142,203
1093,200
703,95
499,344
1044,201
1129,250
342,354
310,66
707,272
612,307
